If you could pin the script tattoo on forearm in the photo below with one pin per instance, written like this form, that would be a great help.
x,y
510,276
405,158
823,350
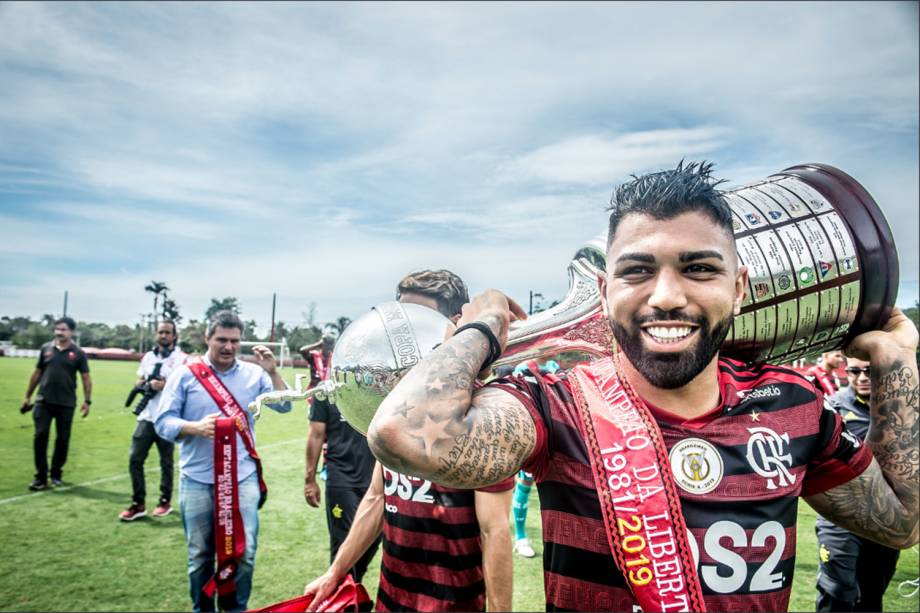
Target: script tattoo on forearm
x,y
496,446
893,432
882,503
436,430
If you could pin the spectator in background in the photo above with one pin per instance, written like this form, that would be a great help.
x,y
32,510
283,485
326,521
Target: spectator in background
x,y
853,572
55,376
319,354
823,373
348,461
168,357
319,358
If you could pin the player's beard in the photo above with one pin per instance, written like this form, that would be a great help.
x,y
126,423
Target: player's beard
x,y
673,369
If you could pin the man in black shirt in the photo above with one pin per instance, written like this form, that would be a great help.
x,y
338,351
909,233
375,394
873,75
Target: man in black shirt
x,y
349,463
55,376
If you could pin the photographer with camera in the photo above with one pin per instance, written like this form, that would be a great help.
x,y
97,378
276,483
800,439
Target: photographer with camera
x,y
155,367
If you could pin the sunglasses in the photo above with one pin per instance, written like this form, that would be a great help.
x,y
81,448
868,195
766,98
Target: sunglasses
x,y
858,371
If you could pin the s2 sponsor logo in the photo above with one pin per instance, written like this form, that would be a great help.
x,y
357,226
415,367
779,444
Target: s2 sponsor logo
x,y
765,577
407,488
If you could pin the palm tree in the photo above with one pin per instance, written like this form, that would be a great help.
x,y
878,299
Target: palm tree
x,y
230,303
156,288
171,309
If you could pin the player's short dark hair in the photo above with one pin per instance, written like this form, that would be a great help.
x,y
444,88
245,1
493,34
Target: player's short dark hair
x,y
67,321
225,319
668,193
445,287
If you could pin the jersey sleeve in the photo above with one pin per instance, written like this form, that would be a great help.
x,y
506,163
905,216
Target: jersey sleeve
x,y
40,364
841,455
319,410
83,363
528,392
501,486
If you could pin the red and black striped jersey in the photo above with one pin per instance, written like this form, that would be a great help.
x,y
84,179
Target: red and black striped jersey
x,y
825,381
739,470
432,555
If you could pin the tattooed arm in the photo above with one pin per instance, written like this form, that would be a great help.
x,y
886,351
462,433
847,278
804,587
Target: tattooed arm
x,y
432,425
882,503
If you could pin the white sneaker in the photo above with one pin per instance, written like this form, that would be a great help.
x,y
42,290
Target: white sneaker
x,y
523,548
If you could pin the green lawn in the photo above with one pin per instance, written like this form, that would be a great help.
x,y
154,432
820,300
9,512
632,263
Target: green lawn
x,y
65,550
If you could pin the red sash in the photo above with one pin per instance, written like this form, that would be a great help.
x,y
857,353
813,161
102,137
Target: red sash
x,y
349,596
320,366
229,406
229,533
639,501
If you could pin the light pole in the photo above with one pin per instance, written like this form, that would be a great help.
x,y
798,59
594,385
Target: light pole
x,y
533,295
143,330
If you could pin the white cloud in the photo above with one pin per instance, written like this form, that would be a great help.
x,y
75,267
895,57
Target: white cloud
x,y
598,159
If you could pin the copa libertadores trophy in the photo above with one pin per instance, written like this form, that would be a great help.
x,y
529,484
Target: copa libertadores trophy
x,y
822,266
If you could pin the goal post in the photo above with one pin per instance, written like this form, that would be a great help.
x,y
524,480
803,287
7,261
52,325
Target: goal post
x,y
279,348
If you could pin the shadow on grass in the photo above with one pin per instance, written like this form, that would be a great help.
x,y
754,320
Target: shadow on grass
x,y
159,523
87,492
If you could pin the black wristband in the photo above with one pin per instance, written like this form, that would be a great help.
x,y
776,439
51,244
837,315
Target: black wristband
x,y
495,348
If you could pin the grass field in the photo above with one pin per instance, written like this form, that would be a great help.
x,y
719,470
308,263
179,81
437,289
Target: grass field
x,y
65,550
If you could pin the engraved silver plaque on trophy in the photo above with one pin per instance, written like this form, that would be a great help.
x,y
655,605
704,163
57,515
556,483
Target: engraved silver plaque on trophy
x,y
821,260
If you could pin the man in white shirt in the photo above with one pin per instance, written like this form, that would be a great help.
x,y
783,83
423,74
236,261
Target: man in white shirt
x,y
155,367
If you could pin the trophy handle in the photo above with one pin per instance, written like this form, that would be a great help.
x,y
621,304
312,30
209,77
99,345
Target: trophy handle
x,y
323,390
577,323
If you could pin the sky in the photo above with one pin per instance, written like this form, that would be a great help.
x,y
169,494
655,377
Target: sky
x,y
322,151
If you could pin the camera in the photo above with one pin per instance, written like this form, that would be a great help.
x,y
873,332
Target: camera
x,y
145,390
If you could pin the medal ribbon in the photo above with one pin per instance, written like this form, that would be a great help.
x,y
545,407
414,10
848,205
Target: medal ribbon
x,y
639,501
229,533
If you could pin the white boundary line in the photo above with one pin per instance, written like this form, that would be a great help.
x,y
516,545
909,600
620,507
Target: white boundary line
x,y
116,477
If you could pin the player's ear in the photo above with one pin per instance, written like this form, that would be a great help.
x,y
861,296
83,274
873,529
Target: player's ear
x,y
602,289
741,282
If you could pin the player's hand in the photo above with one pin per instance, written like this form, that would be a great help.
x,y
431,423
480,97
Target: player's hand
x,y
84,409
492,306
898,335
26,406
157,384
205,427
265,358
321,588
311,492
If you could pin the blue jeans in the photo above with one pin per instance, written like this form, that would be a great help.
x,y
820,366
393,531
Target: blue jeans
x,y
196,501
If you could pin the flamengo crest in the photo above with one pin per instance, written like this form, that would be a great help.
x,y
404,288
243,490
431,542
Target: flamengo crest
x,y
768,455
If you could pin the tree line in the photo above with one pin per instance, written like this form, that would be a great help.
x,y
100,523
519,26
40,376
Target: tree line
x,y
26,333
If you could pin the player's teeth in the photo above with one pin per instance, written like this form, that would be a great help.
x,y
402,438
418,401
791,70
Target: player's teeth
x,y
662,333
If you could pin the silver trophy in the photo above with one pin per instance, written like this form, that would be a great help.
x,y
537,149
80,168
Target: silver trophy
x,y
376,351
